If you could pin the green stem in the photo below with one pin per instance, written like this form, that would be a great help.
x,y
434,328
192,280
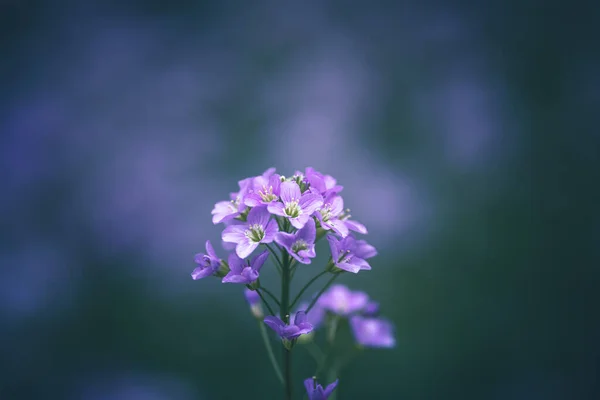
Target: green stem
x,y
265,336
306,287
279,266
271,295
284,313
314,301
265,302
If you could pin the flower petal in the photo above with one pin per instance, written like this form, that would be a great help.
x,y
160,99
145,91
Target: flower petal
x,y
310,202
258,261
356,226
200,272
210,250
245,247
259,215
236,264
274,323
234,233
330,388
276,209
289,191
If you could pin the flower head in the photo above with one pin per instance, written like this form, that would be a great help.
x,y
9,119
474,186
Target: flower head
x,y
300,326
295,206
208,263
301,244
316,392
372,332
350,254
342,301
243,272
259,228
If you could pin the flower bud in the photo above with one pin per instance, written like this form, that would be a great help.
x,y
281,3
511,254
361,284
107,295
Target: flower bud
x,y
253,300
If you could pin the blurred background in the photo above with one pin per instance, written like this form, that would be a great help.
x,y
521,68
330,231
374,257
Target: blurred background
x,y
454,128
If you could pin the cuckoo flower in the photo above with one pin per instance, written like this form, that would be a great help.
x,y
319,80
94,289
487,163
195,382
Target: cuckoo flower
x,y
296,207
350,254
259,228
225,211
265,191
208,263
301,244
316,392
300,326
323,184
342,301
328,216
242,272
372,332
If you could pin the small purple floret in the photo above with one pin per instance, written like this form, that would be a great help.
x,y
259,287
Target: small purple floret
x,y
372,332
259,228
295,206
208,263
300,326
350,254
242,272
301,244
316,392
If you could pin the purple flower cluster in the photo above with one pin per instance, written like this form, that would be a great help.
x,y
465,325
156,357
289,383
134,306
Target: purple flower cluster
x,y
290,212
289,216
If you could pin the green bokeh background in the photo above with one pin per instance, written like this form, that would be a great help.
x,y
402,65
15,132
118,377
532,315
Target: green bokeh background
x,y
493,296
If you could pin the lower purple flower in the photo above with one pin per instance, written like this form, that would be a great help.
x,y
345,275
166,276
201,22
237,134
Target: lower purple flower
x,y
314,316
373,332
342,301
242,272
208,263
316,392
300,326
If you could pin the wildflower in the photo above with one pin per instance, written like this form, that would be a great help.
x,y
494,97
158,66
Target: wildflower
x,y
372,332
225,211
259,228
253,300
297,207
342,301
243,272
301,244
208,263
316,391
350,254
300,326
323,184
265,191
